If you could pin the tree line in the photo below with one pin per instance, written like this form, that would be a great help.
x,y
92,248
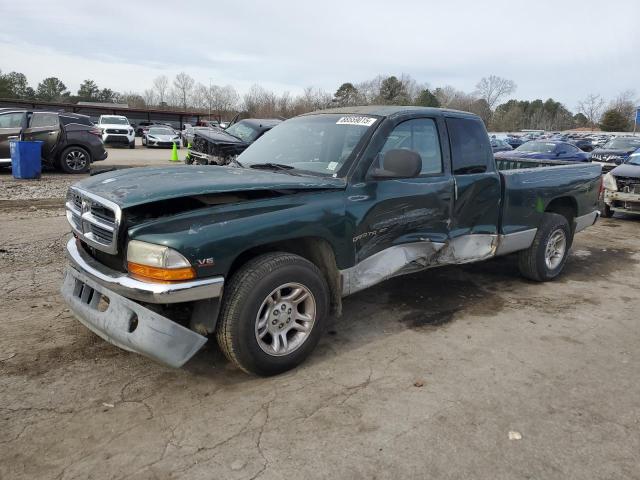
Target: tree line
x,y
184,93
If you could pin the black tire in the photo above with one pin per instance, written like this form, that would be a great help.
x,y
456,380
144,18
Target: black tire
x,y
606,211
132,144
143,142
244,299
533,261
75,159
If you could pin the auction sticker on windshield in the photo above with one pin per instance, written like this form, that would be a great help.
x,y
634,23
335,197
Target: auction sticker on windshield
x,y
356,120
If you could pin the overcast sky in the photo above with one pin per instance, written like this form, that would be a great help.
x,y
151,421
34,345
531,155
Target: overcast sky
x,y
563,49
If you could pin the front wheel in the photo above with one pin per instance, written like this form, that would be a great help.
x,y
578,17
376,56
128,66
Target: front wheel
x,y
545,258
273,313
75,160
132,144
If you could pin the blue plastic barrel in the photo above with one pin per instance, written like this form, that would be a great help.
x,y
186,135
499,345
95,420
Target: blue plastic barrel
x,y
26,159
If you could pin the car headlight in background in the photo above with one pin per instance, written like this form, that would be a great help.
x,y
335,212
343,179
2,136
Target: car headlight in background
x,y
609,182
148,261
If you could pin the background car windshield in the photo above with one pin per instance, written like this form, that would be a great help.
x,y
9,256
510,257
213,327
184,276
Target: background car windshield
x,y
243,131
317,143
161,131
623,143
537,147
114,121
634,158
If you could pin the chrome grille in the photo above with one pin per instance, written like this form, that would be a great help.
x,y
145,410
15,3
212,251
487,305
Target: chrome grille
x,y
95,220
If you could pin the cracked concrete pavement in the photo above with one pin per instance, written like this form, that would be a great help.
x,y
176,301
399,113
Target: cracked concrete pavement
x,y
423,377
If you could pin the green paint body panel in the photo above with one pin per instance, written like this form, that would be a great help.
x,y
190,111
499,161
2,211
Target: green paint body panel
x,y
357,215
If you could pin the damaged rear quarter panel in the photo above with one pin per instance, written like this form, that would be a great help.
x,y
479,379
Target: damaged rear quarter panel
x,y
223,232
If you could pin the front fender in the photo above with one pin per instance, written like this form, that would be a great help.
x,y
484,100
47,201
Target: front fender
x,y
213,237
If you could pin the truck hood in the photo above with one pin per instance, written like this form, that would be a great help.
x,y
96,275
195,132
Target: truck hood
x,y
137,186
626,170
115,125
218,136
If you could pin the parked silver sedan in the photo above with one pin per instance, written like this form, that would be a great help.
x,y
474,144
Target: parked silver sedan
x,y
160,137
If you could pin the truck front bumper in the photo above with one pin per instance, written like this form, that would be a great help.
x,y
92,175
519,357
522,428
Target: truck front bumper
x,y
103,300
625,202
128,324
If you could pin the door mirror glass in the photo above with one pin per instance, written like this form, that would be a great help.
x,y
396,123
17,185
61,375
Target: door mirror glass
x,y
399,163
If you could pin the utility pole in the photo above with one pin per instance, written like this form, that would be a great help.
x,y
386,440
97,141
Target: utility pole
x,y
209,96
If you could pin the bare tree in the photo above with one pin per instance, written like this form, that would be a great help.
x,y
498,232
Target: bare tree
x,y
625,104
493,88
161,87
591,107
149,97
183,85
226,98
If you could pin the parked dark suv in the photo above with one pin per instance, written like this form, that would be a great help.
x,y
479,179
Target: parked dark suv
x,y
71,141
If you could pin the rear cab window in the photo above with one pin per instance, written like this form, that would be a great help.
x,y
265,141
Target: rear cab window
x,y
470,147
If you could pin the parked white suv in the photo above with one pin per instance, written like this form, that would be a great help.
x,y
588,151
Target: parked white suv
x,y
116,129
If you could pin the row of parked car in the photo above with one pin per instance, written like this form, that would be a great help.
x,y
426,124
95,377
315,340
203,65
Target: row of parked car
x,y
72,142
615,151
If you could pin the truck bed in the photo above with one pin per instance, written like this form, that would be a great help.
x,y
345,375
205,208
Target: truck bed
x,y
530,186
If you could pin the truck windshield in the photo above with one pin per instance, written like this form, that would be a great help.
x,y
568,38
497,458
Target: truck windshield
x,y
622,143
634,158
243,131
319,144
114,121
537,147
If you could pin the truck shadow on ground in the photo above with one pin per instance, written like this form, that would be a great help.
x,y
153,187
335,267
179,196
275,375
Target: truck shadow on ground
x,y
432,299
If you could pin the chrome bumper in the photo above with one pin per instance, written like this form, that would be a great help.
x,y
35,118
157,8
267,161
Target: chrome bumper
x,y
128,324
128,287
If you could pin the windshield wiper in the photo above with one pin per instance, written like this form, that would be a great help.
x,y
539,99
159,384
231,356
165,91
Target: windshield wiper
x,y
272,166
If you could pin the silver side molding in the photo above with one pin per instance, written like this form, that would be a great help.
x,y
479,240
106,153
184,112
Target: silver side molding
x,y
514,242
586,220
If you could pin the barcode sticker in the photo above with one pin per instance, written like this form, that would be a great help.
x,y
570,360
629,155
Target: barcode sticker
x,y
356,120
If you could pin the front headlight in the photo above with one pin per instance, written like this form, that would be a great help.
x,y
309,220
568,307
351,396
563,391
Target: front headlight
x,y
609,182
148,261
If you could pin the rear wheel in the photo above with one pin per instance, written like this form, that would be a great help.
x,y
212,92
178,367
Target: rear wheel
x,y
545,258
273,313
75,160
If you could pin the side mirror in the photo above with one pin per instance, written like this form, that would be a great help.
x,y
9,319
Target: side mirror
x,y
399,163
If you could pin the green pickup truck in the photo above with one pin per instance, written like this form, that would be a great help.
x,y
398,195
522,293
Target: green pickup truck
x,y
260,252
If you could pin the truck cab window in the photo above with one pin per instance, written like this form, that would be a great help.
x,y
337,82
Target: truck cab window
x,y
421,136
470,146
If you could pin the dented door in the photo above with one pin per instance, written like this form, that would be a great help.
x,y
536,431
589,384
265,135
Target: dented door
x,y
392,212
